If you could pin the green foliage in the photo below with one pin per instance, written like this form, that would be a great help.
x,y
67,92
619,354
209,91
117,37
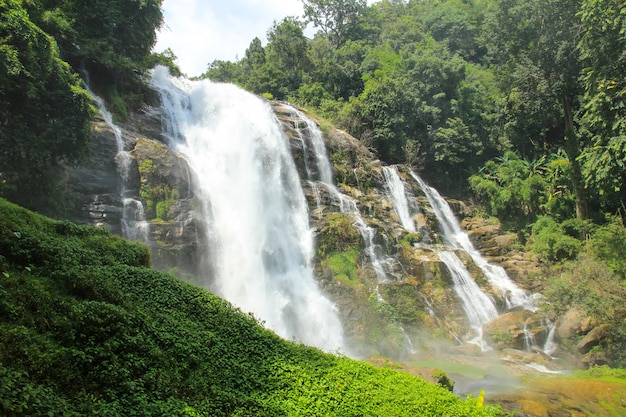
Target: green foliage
x,y
344,266
411,238
44,111
602,44
336,18
608,244
590,286
510,190
551,243
340,235
87,329
403,299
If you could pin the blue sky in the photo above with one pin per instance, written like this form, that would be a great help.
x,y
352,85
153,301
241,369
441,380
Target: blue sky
x,y
201,31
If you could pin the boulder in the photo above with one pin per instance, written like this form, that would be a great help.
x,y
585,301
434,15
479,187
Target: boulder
x,y
573,323
592,339
507,330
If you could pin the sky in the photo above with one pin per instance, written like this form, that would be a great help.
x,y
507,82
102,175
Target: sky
x,y
201,31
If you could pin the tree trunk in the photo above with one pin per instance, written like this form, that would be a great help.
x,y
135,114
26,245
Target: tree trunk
x,y
572,149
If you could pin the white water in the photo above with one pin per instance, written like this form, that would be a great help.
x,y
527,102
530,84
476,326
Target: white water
x,y
398,195
259,238
478,307
312,141
550,346
134,224
456,238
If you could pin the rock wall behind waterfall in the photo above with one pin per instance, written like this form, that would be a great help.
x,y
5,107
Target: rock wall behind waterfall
x,y
414,306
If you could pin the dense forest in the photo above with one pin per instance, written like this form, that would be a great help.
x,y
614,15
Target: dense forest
x,y
47,47
517,106
525,99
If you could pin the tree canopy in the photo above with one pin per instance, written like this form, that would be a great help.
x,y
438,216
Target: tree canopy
x,y
45,112
450,85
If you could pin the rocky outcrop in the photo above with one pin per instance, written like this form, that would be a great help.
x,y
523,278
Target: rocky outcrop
x,y
414,301
95,185
522,330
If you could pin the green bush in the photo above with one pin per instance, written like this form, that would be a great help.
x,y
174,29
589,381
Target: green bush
x,y
87,329
550,242
608,243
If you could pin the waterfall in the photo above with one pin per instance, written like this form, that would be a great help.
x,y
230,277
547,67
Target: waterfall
x,y
398,195
321,176
347,205
477,305
134,224
456,238
312,141
550,346
259,243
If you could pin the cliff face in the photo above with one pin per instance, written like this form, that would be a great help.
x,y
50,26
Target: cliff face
x,y
415,302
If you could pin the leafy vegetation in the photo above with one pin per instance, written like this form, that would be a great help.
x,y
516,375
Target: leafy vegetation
x,y
452,86
45,112
88,328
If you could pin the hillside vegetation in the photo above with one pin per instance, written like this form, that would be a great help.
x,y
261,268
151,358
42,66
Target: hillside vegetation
x,y
87,328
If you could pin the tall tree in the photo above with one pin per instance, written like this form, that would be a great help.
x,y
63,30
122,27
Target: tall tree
x,y
537,40
334,17
603,44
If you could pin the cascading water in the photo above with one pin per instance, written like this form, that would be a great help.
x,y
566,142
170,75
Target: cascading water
x,y
312,140
398,195
456,238
134,224
478,307
256,215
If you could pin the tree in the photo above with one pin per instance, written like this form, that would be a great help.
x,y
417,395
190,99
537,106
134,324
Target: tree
x,y
287,51
603,43
45,113
536,40
111,39
334,17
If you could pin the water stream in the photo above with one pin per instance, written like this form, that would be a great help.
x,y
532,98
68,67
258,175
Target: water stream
x,y
260,245
456,238
134,224
398,195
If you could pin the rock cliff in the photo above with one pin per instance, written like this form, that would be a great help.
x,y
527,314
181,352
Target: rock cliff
x,y
413,306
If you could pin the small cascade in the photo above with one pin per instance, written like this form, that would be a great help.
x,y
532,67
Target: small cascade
x,y
456,238
255,213
550,346
347,205
398,196
478,307
134,224
530,343
322,176
312,141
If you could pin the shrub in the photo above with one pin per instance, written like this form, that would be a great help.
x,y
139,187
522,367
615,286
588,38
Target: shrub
x,y
550,242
